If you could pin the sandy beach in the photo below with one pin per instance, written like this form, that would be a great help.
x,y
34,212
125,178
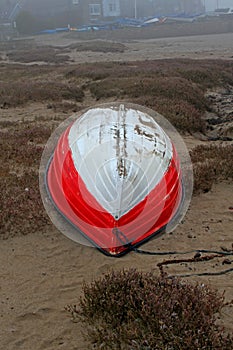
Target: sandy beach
x,y
42,272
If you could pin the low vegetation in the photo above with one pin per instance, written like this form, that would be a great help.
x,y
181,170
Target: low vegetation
x,y
22,92
97,46
59,54
21,209
174,88
23,146
211,163
38,54
134,310
164,85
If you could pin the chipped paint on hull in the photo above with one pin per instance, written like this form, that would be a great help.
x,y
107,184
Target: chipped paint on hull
x,y
115,176
121,156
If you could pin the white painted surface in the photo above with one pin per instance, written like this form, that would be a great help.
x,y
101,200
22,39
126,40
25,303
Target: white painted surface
x,y
120,154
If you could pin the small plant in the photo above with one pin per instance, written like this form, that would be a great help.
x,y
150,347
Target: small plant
x,y
134,310
211,163
38,54
22,92
23,146
21,208
98,46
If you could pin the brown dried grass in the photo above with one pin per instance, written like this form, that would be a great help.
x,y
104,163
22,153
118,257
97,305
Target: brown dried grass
x,y
134,310
211,163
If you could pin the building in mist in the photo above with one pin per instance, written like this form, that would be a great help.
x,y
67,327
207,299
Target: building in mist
x,y
147,8
177,7
77,12
9,9
74,12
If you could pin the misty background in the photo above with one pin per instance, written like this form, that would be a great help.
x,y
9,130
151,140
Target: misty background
x,y
32,16
209,4
213,4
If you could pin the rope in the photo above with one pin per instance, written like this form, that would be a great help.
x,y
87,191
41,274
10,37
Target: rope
x,y
224,272
217,254
195,259
206,251
126,243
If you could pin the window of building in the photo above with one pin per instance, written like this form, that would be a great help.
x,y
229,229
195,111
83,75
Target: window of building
x,y
75,2
95,9
112,7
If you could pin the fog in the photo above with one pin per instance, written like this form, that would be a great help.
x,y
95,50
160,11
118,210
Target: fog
x,y
209,4
213,4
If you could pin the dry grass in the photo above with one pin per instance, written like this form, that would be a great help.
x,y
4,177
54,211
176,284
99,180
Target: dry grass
x,y
64,107
22,92
163,85
134,310
97,46
21,209
175,88
211,163
38,54
23,145
206,73
56,55
21,150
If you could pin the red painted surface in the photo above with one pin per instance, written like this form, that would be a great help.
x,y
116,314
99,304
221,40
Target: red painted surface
x,y
77,204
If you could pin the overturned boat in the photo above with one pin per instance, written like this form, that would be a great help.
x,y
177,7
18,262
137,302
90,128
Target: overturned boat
x,y
115,176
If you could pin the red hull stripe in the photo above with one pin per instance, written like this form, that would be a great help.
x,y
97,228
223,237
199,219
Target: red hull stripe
x,y
77,204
